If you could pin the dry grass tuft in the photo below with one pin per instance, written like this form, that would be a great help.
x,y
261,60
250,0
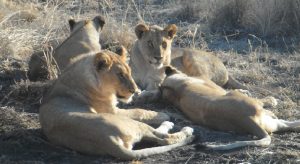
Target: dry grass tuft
x,y
31,26
26,31
271,17
117,33
261,17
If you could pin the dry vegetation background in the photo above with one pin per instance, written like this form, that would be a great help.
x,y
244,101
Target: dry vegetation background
x,y
258,40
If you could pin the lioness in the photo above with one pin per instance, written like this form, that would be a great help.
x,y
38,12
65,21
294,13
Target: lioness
x,y
84,38
153,49
207,104
80,111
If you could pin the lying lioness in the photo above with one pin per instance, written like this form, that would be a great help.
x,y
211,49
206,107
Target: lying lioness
x,y
80,111
153,49
84,38
207,104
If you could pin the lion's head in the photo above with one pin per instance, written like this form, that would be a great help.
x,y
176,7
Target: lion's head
x,y
98,23
97,79
155,43
115,74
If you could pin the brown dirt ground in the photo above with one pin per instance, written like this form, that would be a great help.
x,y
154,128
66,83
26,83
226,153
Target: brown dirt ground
x,y
275,68
21,139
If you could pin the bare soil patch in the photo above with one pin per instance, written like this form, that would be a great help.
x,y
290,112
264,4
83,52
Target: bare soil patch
x,y
270,63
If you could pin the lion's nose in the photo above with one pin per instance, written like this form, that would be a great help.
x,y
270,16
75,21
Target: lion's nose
x,y
158,58
138,91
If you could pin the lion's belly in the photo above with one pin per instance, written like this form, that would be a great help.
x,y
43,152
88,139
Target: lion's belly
x,y
225,113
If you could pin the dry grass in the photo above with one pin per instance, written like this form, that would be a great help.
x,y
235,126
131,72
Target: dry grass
x,y
261,17
31,30
40,25
117,33
44,25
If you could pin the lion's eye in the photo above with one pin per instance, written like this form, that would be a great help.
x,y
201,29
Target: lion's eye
x,y
121,76
150,44
164,45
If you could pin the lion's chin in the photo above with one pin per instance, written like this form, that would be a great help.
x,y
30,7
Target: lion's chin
x,y
125,100
156,64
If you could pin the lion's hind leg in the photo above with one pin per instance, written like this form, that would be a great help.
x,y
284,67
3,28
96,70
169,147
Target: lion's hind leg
x,y
289,125
268,101
279,125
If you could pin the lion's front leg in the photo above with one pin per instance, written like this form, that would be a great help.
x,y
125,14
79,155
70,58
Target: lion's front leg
x,y
147,97
142,115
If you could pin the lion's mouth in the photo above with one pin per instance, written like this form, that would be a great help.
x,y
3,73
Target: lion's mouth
x,y
124,99
120,96
156,63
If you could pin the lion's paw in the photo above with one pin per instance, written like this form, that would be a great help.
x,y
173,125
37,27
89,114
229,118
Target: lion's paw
x,y
168,124
146,97
187,130
165,127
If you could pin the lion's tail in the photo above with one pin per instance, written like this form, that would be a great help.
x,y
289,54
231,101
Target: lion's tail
x,y
261,142
273,124
126,154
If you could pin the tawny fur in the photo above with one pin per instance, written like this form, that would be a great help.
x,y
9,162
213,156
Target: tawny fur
x,y
153,49
209,105
84,38
80,111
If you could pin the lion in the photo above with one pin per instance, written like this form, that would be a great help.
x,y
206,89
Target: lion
x,y
80,112
209,105
84,38
153,49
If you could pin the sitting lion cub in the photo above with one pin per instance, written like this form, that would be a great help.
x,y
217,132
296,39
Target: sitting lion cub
x,y
80,111
207,104
153,49
84,38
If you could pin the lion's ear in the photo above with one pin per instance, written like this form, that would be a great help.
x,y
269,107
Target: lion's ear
x,y
102,61
99,21
122,52
169,70
171,30
72,23
140,29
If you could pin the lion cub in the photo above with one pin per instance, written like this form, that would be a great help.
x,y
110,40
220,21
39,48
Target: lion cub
x,y
207,104
84,38
80,111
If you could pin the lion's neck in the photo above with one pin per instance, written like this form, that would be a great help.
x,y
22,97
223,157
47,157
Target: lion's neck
x,y
93,38
107,105
137,61
144,74
102,102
